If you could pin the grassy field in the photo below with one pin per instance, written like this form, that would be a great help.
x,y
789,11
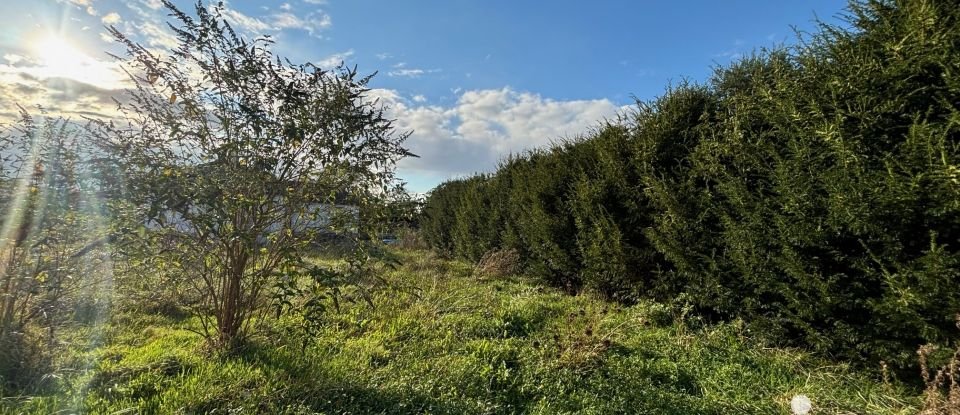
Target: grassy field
x,y
444,341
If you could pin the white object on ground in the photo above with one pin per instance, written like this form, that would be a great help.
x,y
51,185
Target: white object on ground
x,y
800,404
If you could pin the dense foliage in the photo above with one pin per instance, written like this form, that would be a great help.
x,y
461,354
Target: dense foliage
x,y
814,191
234,162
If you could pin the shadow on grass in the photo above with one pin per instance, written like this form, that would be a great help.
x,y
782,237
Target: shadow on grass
x,y
314,387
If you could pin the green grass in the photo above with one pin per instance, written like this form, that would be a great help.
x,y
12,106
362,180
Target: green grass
x,y
444,342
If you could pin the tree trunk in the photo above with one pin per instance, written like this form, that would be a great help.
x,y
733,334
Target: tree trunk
x,y
231,315
7,294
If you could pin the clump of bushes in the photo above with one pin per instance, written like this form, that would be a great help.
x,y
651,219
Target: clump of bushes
x,y
813,191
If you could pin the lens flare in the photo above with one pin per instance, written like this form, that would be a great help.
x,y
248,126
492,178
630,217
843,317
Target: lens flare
x,y
60,58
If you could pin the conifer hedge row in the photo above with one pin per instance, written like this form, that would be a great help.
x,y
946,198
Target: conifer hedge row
x,y
813,191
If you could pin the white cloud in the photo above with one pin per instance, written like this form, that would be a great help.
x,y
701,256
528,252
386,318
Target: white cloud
x,y
286,6
484,126
383,56
736,52
244,22
146,24
410,73
12,58
419,98
86,5
334,60
401,71
312,23
286,20
110,18
153,4
158,36
57,94
93,72
82,4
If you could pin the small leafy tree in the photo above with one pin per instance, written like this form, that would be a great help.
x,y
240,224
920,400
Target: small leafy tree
x,y
238,161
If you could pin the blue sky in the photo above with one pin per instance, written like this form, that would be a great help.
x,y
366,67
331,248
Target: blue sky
x,y
475,80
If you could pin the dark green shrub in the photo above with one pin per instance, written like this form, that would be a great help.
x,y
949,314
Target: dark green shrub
x,y
812,191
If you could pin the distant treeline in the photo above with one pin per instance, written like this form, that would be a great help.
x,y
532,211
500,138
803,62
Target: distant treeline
x,y
813,191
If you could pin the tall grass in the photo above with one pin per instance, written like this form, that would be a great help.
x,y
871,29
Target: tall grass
x,y
443,341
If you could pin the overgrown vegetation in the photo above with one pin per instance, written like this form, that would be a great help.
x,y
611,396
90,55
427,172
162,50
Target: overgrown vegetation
x,y
50,212
812,191
224,168
942,394
766,234
445,342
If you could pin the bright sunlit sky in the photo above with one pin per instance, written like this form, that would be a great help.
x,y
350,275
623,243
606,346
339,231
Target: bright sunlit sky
x,y
475,80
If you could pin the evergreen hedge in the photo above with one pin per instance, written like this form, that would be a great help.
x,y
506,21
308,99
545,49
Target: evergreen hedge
x,y
813,191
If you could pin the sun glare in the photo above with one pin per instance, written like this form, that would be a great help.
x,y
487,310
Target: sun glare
x,y
60,58
56,52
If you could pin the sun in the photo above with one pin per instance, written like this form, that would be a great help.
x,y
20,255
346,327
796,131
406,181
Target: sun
x,y
59,54
60,58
